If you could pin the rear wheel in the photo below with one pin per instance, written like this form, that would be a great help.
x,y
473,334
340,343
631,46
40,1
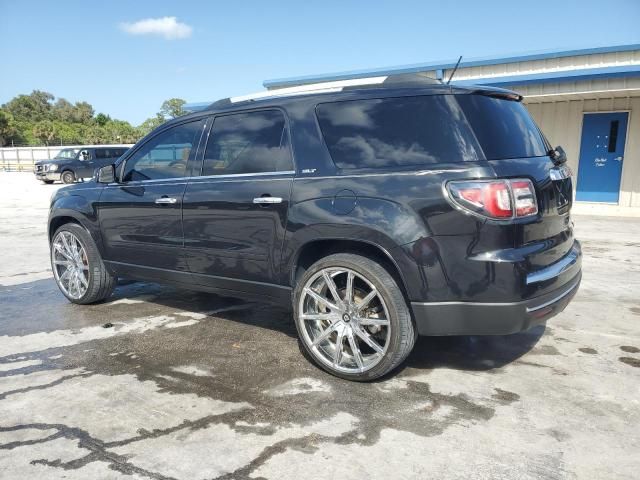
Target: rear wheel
x,y
68,177
77,266
352,318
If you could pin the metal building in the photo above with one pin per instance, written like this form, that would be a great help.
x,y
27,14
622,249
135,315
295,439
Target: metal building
x,y
586,100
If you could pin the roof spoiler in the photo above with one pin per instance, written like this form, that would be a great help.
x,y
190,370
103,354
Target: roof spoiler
x,y
502,94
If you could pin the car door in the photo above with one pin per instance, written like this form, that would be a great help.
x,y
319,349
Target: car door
x,y
141,215
235,213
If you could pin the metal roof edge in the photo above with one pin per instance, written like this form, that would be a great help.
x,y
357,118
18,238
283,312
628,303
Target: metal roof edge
x,y
563,76
441,65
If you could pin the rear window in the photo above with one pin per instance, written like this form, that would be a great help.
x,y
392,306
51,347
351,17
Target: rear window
x,y
504,128
397,132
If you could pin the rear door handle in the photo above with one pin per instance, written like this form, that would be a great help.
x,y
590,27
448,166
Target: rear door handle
x,y
267,200
166,201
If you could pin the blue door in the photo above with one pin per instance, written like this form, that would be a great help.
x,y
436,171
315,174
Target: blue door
x,y
601,156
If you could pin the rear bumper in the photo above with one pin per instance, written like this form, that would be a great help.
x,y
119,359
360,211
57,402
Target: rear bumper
x,y
470,318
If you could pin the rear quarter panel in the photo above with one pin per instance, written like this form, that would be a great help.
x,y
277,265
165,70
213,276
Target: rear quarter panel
x,y
390,210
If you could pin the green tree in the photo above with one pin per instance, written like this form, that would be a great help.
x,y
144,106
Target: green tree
x,y
82,112
7,127
120,131
68,133
63,110
95,134
102,119
45,131
149,124
172,108
34,107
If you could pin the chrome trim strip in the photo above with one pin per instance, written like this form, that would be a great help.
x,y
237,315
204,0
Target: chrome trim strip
x,y
384,174
197,177
565,263
476,304
242,175
506,304
554,300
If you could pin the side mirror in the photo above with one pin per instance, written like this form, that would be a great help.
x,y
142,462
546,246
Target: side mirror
x,y
558,155
106,174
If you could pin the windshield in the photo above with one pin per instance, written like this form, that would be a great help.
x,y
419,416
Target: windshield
x,y
66,153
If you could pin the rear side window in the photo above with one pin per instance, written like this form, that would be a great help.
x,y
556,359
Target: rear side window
x,y
397,132
109,152
253,142
504,128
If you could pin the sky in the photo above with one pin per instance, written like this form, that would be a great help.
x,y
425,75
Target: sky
x,y
126,58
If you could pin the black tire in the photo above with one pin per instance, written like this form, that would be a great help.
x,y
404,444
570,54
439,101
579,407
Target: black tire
x,y
48,182
68,177
402,335
101,283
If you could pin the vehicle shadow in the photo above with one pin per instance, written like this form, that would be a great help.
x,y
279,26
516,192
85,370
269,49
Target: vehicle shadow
x,y
133,299
257,314
479,353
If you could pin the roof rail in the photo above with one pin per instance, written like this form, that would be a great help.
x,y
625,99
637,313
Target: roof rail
x,y
312,88
407,80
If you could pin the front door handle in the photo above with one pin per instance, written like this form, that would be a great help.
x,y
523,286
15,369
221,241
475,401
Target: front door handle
x,y
166,201
267,200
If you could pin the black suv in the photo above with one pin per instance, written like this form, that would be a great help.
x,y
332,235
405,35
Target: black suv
x,y
379,212
71,164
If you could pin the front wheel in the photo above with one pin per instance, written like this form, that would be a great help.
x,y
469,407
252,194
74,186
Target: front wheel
x,y
47,182
352,318
68,177
78,267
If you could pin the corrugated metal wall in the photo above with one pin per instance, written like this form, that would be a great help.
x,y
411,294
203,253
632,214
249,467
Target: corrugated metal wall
x,y
613,59
562,124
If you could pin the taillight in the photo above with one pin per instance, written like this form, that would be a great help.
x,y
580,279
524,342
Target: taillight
x,y
497,199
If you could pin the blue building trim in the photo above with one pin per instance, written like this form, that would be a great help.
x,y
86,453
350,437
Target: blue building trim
x,y
566,76
443,65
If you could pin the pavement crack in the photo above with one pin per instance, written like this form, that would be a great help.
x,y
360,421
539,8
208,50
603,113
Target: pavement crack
x,y
96,447
44,386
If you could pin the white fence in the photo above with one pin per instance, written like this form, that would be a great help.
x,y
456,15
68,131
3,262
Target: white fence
x,y
22,158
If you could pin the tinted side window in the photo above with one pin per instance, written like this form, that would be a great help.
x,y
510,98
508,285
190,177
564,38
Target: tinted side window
x,y
109,152
504,128
252,142
165,155
396,132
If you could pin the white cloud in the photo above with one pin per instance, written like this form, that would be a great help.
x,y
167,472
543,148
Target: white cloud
x,y
167,27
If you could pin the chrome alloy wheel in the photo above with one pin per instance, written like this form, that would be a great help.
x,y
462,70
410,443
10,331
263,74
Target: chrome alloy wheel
x,y
344,320
70,264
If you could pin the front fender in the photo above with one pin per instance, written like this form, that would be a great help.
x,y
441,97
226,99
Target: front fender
x,y
80,206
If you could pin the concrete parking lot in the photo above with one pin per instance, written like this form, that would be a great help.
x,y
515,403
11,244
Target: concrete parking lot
x,y
190,385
